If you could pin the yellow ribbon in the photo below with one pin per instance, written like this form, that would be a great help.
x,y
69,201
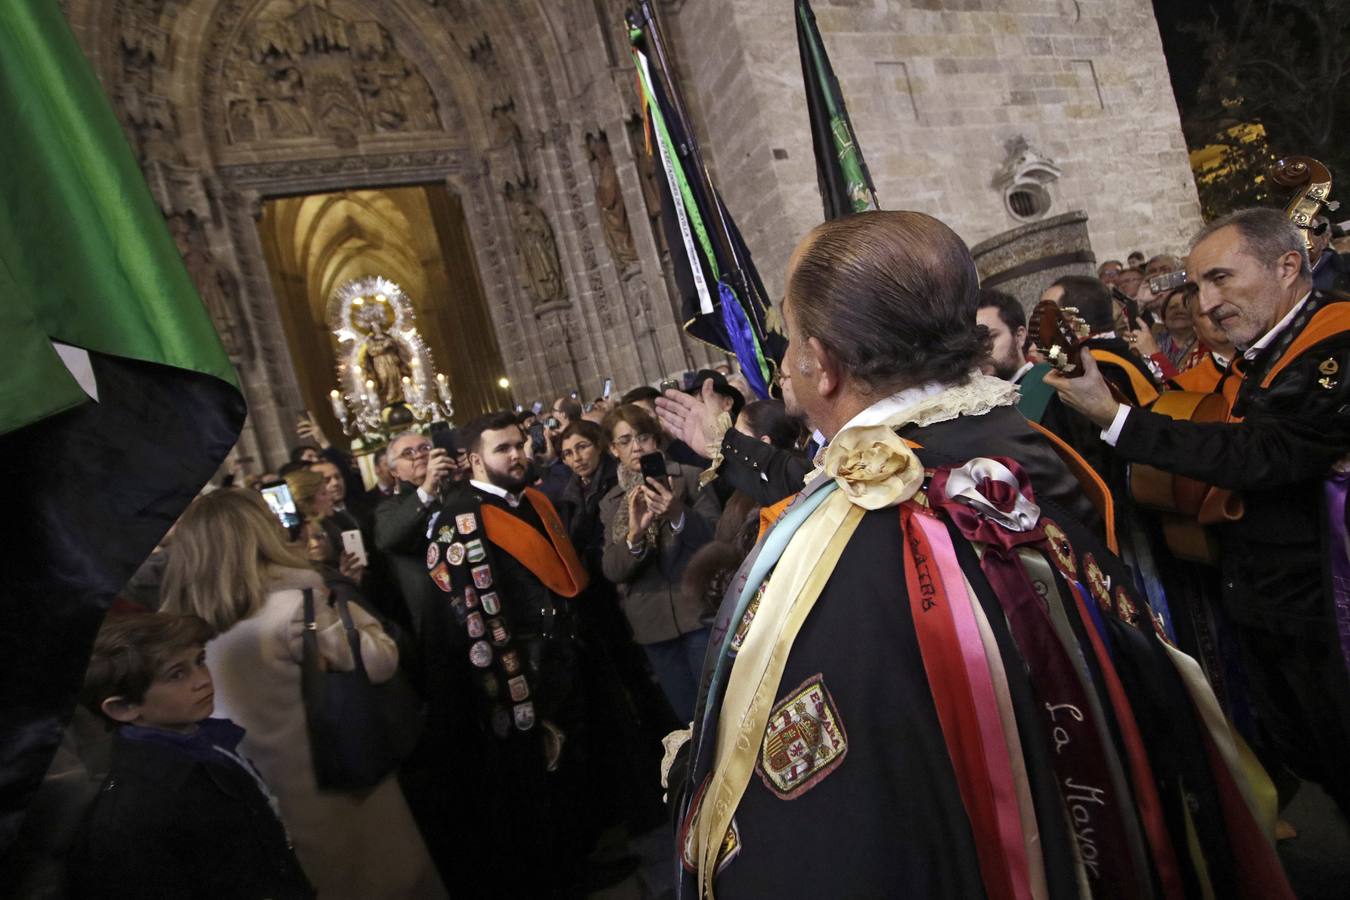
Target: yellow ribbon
x,y
875,469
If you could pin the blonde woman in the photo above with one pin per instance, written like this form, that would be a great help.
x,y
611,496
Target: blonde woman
x,y
233,567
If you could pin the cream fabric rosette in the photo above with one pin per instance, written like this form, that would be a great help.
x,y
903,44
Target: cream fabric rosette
x,y
875,468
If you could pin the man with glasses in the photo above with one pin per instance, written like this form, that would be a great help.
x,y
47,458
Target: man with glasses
x,y
401,520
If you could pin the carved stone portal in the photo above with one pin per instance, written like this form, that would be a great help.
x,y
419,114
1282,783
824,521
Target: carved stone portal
x,y
609,200
542,271
309,72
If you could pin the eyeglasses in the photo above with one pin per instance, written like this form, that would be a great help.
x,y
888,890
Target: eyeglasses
x,y
628,439
577,449
412,453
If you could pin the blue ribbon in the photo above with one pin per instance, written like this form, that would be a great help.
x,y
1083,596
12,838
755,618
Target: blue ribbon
x,y
775,542
743,342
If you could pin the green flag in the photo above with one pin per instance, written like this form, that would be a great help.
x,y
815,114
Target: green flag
x,y
85,258
845,184
98,466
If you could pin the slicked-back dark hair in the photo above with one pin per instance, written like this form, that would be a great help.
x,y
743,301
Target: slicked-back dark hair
x,y
472,434
1009,308
891,295
1091,297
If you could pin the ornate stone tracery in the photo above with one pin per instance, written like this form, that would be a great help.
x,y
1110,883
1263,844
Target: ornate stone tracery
x,y
228,103
311,72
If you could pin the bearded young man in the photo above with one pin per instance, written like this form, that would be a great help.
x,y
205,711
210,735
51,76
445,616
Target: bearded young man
x,y
504,702
912,684
1283,563
1003,317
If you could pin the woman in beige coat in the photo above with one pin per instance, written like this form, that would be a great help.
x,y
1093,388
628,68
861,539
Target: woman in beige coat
x,y
231,565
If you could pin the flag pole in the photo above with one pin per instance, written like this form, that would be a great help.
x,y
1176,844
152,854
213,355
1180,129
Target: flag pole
x,y
652,27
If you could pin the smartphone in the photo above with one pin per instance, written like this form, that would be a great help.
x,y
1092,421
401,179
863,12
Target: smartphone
x,y
537,407
519,408
441,434
573,395
653,466
282,504
1168,281
608,389
352,543
538,443
669,384
552,423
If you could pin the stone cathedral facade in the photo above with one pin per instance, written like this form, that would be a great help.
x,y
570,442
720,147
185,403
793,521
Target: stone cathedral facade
x,y
488,156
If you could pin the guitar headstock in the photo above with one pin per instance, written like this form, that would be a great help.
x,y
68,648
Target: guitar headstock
x,y
1059,336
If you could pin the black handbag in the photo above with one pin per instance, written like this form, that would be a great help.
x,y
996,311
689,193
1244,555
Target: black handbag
x,y
358,732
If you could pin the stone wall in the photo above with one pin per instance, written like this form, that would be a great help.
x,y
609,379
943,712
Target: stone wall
x,y
526,111
938,90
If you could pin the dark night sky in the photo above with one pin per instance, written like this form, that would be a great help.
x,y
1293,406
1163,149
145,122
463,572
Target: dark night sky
x,y
1184,61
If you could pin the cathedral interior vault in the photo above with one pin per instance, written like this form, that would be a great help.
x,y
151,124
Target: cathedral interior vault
x,y
413,236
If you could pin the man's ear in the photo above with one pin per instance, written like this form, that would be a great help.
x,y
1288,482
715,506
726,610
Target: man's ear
x,y
829,374
119,709
1020,336
1289,265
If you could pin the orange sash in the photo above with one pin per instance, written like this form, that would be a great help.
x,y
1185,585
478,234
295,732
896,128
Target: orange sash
x,y
1088,479
1201,378
1144,390
554,561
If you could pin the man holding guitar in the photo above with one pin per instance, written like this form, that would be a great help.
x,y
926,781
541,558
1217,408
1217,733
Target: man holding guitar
x,y
1282,550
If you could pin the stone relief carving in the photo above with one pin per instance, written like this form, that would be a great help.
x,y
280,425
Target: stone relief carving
x,y
218,286
609,201
311,72
537,245
651,192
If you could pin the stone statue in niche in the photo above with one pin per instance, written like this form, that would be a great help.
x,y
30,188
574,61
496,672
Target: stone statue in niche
x,y
538,247
381,358
216,284
651,192
609,200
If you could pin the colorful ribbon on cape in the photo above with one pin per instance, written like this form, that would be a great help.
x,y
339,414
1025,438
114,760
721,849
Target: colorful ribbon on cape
x,y
1096,812
963,694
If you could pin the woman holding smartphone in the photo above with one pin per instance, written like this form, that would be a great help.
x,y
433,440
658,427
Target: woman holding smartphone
x,y
654,520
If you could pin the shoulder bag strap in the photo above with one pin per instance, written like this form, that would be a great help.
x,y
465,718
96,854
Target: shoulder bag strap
x,y
353,637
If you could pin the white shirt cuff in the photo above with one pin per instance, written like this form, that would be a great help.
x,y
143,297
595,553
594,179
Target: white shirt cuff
x,y
1112,434
424,497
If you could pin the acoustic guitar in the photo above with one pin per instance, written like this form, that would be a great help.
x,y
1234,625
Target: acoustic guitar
x,y
1060,338
1186,505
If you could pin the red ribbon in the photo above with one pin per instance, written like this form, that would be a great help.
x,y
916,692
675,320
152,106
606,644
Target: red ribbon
x,y
1096,814
963,693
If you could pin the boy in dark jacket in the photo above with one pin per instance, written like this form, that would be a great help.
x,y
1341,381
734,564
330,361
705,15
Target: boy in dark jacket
x,y
181,813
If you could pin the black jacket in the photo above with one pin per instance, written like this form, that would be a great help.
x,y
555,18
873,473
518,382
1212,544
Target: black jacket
x,y
168,825
763,472
580,511
1277,457
401,534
